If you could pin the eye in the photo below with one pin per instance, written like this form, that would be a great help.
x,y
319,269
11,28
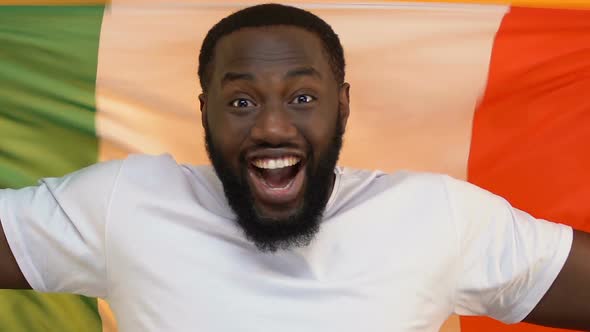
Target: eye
x,y
242,103
302,99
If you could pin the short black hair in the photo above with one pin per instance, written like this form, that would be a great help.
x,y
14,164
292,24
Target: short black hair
x,y
270,15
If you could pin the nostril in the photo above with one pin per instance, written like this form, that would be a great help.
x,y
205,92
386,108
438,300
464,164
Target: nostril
x,y
273,133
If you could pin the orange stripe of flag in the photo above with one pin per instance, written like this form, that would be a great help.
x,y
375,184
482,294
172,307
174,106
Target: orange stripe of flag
x,y
531,132
572,4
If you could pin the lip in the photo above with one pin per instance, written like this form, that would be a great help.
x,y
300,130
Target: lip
x,y
276,199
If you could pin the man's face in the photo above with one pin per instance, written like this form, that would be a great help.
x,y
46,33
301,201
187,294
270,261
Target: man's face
x,y
274,116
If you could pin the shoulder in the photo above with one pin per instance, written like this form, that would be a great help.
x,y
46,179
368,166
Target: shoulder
x,y
356,186
163,166
399,180
140,162
162,175
160,171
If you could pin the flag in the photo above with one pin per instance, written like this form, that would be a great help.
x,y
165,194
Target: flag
x,y
48,58
491,93
531,129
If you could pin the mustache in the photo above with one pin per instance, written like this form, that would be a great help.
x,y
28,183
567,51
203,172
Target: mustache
x,y
296,230
268,145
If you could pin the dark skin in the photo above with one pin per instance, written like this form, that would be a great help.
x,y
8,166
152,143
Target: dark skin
x,y
567,303
11,276
272,87
277,65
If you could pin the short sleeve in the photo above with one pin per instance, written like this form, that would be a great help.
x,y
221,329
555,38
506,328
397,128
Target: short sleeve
x,y
56,230
508,259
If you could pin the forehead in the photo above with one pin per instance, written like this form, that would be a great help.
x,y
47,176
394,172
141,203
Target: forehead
x,y
269,49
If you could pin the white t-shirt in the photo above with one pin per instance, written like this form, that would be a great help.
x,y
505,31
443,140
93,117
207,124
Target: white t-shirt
x,y
396,252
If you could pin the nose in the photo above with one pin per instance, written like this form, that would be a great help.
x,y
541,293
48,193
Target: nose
x,y
273,126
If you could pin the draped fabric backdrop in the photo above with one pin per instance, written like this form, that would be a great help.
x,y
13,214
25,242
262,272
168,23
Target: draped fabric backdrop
x,y
491,93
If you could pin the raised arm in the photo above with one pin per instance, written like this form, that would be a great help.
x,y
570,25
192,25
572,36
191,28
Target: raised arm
x,y
52,235
567,303
11,276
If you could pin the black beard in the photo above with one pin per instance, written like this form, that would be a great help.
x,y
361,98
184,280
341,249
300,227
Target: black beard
x,y
296,230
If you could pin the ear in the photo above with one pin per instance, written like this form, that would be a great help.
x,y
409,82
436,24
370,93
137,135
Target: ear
x,y
203,106
344,104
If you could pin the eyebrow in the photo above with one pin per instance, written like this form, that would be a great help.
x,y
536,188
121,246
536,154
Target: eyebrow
x,y
232,77
303,71
294,73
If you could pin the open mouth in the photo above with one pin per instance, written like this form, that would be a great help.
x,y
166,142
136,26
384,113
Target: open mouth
x,y
276,180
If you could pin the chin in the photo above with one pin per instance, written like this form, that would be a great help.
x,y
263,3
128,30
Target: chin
x,y
277,214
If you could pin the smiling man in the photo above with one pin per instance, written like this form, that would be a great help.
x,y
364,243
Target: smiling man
x,y
275,236
279,90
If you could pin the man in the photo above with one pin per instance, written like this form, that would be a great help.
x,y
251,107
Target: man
x,y
275,236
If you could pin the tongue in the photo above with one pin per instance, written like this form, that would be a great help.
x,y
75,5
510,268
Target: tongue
x,y
278,178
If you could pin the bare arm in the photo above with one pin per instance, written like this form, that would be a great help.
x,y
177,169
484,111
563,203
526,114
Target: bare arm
x,y
11,276
567,303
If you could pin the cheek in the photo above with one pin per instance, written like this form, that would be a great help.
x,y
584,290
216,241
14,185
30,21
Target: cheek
x,y
319,131
321,141
228,135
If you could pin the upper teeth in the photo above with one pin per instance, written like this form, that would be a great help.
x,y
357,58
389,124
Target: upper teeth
x,y
274,163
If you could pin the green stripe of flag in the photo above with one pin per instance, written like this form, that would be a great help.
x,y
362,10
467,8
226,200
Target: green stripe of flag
x,y
48,63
